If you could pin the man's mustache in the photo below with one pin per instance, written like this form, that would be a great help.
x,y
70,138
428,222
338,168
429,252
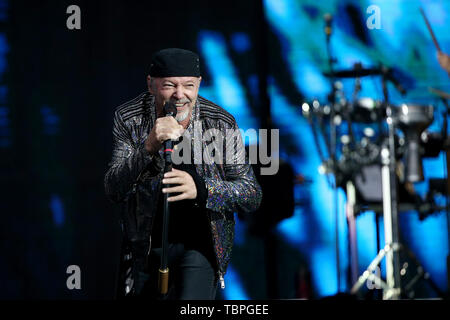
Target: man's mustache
x,y
185,100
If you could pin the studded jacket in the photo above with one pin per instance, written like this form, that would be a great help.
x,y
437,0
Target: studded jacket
x,y
133,180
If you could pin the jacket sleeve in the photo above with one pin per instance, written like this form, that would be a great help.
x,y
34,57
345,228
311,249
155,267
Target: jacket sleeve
x,y
129,160
239,191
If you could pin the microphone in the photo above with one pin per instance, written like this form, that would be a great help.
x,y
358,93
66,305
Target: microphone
x,y
328,19
170,110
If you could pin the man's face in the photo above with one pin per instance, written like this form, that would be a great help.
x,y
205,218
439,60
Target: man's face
x,y
182,91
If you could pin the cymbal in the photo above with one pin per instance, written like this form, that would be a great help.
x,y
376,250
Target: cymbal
x,y
439,93
354,73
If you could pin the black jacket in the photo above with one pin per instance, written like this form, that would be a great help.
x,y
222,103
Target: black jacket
x,y
134,179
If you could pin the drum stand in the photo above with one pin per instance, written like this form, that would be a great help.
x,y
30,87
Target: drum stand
x,y
391,288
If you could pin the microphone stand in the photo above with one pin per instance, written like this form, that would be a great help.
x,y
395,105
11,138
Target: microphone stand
x,y
332,148
163,281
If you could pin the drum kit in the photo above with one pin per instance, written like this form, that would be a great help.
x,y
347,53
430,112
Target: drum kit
x,y
376,151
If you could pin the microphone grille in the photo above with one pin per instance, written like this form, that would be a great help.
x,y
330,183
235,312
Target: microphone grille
x,y
170,109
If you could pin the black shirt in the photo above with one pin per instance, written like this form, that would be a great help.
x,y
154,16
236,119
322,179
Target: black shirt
x,y
188,223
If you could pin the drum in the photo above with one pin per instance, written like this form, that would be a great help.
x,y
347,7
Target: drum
x,y
367,110
413,120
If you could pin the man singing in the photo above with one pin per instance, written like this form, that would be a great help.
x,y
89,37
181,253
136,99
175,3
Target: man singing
x,y
203,195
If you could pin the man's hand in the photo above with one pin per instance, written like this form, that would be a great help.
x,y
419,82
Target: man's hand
x,y
165,128
186,185
444,61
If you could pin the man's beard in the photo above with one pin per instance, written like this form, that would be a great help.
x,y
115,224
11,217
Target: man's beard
x,y
183,116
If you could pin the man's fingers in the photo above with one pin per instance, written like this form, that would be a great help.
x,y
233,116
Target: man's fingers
x,y
174,136
168,128
185,185
173,180
174,189
177,198
173,173
171,134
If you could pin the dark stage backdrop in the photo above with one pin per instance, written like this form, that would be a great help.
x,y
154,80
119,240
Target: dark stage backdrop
x,y
261,60
62,87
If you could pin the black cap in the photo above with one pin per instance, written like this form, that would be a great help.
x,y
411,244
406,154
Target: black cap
x,y
174,62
